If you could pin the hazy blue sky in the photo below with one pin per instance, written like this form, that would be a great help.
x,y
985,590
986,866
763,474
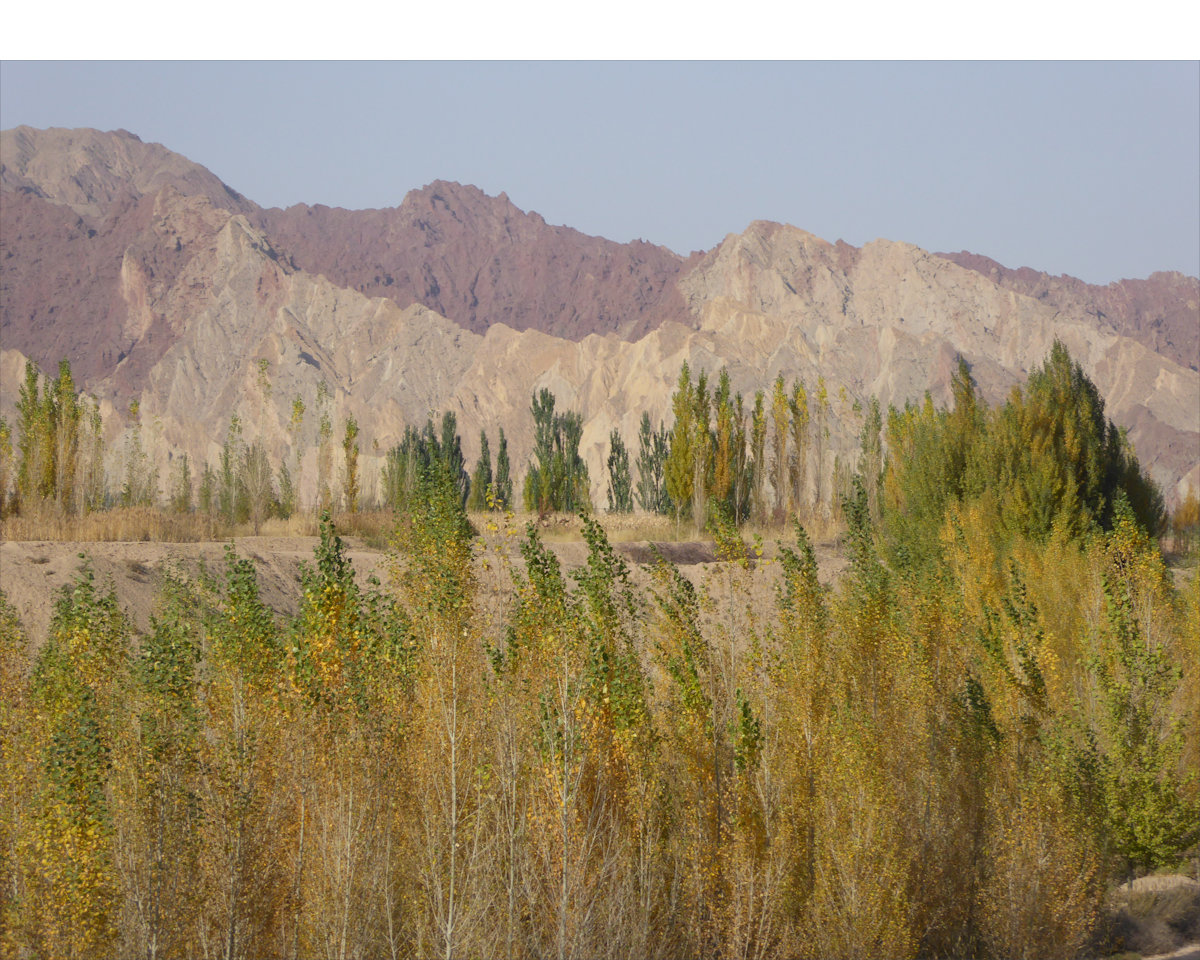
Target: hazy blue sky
x,y
1091,169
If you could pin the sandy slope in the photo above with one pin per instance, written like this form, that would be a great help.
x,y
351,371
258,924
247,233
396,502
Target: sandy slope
x,y
32,573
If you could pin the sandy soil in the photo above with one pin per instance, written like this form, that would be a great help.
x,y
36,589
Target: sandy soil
x,y
32,573
1190,952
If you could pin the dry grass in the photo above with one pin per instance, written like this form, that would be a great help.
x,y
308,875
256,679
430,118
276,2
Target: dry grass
x,y
374,527
1155,914
119,524
154,525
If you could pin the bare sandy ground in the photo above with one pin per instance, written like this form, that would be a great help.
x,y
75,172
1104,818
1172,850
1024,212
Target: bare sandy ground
x,y
1190,952
33,573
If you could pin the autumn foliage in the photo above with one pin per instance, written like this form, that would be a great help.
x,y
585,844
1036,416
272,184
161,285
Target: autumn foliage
x,y
955,750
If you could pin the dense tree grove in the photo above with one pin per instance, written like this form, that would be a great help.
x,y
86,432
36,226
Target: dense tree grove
x,y
557,478
409,462
59,447
652,457
720,459
991,718
1050,448
620,482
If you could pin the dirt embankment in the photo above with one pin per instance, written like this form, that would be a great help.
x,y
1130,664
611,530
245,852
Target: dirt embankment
x,y
33,573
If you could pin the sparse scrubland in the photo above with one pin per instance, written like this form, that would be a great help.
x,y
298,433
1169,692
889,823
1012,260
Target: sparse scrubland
x,y
966,746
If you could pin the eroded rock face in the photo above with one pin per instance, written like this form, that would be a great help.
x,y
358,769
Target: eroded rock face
x,y
890,320
159,283
94,227
1161,312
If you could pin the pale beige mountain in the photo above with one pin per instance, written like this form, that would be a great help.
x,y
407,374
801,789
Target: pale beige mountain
x,y
772,300
888,321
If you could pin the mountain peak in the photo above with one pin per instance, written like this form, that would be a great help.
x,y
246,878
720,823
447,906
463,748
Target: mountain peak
x,y
460,199
89,170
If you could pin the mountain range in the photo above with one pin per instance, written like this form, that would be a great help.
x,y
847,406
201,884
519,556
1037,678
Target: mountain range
x,y
160,283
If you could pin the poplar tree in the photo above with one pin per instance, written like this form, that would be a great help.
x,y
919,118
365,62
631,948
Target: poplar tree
x,y
34,433
141,478
50,441
66,415
324,449
159,839
798,409
436,590
78,683
653,450
702,451
255,489
1060,459
288,492
95,493
620,484
871,458
482,486
724,453
504,485
758,456
779,435
401,468
452,455
208,496
20,733
350,454
803,683
6,455
820,434
1151,813
557,479
680,466
699,753
231,500
181,486
241,804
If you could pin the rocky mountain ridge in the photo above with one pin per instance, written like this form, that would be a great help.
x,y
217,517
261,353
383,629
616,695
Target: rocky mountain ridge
x,y
160,283
478,260
1160,311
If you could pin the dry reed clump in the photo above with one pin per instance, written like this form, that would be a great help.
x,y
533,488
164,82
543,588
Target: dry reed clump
x,y
1154,915
118,524
375,527
153,524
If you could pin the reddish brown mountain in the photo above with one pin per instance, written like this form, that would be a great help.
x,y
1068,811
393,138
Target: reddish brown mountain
x,y
65,283
479,260
1161,312
81,213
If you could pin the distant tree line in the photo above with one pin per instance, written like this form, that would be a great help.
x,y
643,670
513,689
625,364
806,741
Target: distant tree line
x,y
721,459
